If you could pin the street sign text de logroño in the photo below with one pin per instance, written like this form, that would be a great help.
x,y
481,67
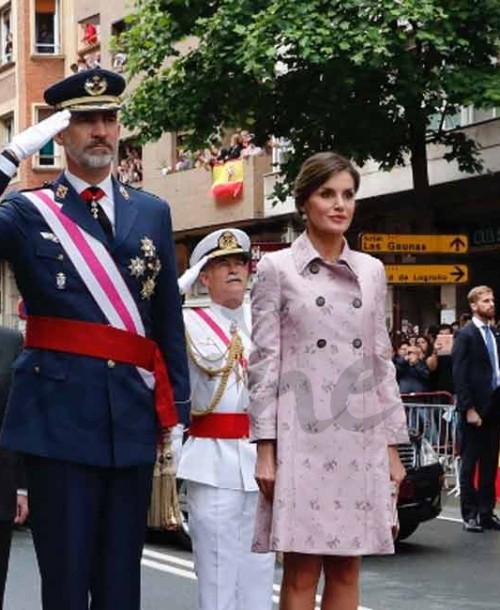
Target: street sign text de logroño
x,y
414,244
427,274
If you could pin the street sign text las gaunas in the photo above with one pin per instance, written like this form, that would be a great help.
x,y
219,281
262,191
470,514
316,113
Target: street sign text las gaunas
x,y
427,274
414,244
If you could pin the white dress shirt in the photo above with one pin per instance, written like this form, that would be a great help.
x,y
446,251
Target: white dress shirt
x,y
107,202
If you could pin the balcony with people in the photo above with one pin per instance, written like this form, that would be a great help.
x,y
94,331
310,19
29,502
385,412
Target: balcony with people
x,y
222,183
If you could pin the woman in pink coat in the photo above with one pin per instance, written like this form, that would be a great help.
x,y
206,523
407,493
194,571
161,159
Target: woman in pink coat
x,y
325,408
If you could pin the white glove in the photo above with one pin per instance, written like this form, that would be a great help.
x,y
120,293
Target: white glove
x,y
176,436
30,140
189,277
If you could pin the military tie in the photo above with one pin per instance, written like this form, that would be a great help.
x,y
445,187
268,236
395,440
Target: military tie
x,y
488,335
91,196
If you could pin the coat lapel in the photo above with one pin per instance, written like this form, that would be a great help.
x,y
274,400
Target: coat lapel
x,y
496,334
74,207
125,213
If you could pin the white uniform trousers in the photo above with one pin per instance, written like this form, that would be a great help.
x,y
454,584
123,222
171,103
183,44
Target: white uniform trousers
x,y
230,576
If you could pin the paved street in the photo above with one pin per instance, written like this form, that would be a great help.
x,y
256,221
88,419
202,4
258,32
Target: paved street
x,y
438,568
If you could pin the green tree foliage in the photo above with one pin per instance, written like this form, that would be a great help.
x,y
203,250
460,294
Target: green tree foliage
x,y
364,77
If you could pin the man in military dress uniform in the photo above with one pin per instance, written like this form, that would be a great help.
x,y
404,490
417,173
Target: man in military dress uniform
x,y
217,461
95,263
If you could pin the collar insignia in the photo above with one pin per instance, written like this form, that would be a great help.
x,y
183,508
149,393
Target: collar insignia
x,y
61,191
124,192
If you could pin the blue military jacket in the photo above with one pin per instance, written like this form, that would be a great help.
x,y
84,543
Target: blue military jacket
x,y
73,407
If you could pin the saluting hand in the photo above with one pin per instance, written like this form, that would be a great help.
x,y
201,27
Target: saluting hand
x,y
30,140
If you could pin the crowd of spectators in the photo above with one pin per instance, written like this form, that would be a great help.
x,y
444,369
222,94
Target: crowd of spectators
x,y
242,145
423,361
129,168
88,62
88,58
424,367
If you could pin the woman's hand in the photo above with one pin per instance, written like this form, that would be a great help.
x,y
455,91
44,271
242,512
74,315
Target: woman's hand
x,y
396,468
265,468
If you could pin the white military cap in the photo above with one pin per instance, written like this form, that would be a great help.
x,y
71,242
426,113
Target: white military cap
x,y
223,242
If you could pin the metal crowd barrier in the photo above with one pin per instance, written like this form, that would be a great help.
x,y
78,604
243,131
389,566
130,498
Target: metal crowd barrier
x,y
433,415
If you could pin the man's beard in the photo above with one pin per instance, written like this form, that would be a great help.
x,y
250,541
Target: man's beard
x,y
87,159
96,161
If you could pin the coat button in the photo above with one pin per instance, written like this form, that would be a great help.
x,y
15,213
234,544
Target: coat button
x,y
321,343
357,343
314,268
60,257
320,301
111,364
356,303
36,369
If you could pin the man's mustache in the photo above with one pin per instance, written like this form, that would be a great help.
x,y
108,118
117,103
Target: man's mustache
x,y
100,143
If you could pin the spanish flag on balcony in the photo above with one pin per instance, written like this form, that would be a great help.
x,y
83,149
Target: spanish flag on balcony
x,y
228,180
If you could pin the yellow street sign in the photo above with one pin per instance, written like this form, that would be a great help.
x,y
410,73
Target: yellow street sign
x,y
427,274
414,244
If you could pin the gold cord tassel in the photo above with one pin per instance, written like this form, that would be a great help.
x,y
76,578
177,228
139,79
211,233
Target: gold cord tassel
x,y
233,356
164,510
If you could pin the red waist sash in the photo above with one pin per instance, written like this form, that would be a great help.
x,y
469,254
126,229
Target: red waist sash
x,y
220,425
103,341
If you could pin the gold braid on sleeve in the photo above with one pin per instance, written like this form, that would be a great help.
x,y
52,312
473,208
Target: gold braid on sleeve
x,y
233,356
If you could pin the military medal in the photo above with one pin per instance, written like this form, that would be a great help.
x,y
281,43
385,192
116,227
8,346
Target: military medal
x,y
94,209
146,268
137,267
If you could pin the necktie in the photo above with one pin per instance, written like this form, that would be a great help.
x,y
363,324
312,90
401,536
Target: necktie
x,y
91,196
488,335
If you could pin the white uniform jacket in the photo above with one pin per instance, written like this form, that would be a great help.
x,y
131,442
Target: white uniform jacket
x,y
223,463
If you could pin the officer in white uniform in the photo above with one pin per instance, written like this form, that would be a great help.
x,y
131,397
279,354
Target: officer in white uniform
x,y
217,461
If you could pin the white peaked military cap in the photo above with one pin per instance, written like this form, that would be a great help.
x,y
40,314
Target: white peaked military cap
x,y
222,242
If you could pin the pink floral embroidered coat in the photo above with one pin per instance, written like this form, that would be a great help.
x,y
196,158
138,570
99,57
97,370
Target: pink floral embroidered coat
x,y
323,385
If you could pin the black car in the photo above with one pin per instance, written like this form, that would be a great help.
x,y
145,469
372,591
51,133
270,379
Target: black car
x,y
420,493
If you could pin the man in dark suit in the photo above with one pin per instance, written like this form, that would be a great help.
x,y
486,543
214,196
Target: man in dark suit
x,y
476,377
13,502
27,142
95,263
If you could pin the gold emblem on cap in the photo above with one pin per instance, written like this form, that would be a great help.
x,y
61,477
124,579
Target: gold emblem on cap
x,y
61,191
95,85
227,241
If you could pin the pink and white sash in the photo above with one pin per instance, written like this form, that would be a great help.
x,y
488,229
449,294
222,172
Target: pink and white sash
x,y
96,268
207,318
